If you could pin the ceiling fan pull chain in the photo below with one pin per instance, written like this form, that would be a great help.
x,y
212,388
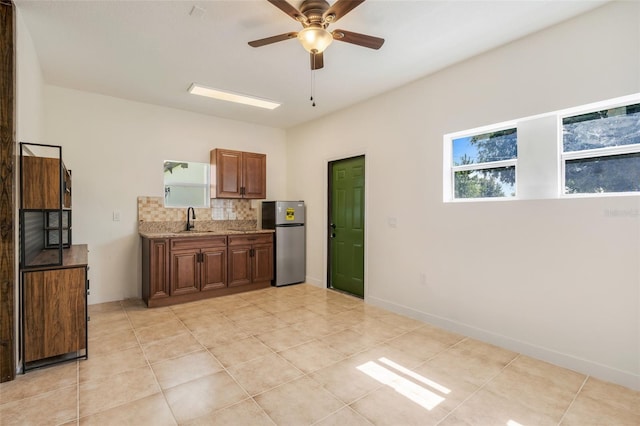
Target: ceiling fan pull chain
x,y
313,84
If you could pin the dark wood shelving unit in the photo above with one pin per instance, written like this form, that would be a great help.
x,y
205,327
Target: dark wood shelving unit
x,y
53,272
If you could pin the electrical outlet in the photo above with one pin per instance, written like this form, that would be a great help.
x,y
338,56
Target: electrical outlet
x,y
116,215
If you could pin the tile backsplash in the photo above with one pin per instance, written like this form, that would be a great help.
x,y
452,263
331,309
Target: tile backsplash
x,y
151,209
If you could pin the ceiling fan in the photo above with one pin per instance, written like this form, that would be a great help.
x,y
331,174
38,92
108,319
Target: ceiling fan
x,y
315,16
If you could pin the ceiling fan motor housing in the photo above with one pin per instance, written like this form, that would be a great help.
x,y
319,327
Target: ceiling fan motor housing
x,y
314,11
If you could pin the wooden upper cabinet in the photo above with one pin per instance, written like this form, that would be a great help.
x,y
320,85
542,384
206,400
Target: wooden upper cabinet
x,y
254,177
237,174
42,183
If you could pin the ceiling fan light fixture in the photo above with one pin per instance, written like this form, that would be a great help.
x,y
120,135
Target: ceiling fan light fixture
x,y
197,89
315,39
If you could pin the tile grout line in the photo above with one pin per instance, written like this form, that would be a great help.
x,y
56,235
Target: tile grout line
x,y
224,368
155,378
274,352
478,390
303,373
422,363
584,382
308,375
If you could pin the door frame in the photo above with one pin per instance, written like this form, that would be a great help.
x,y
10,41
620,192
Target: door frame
x,y
327,214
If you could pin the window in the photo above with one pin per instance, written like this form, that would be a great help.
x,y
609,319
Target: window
x,y
601,151
186,184
484,165
585,151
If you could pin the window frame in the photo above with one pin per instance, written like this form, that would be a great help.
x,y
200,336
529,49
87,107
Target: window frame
x,y
584,154
512,162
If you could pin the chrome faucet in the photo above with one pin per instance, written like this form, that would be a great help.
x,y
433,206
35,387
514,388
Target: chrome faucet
x,y
190,225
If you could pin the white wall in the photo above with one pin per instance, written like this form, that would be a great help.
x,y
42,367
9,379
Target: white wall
x,y
558,279
29,87
115,150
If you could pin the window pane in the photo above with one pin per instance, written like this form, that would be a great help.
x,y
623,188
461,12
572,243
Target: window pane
x,y
486,183
601,129
616,173
494,146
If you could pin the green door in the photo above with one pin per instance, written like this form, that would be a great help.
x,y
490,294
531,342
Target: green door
x,y
346,225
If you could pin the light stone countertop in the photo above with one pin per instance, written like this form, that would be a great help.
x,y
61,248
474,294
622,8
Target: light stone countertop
x,y
203,228
196,233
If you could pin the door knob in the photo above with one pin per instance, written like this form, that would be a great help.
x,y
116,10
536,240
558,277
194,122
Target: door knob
x,y
333,226
333,235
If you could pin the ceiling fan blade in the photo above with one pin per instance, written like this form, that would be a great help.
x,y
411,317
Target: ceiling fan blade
x,y
317,61
340,8
273,39
284,6
360,39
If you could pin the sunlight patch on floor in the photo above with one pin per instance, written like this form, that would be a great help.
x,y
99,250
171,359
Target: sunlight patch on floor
x,y
416,376
409,389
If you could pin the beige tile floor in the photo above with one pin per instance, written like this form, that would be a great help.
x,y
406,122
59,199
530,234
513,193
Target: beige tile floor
x,y
300,355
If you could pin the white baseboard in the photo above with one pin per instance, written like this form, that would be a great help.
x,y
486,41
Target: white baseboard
x,y
314,281
594,369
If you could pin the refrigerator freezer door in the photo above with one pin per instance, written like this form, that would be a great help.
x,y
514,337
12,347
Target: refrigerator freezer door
x,y
290,256
289,212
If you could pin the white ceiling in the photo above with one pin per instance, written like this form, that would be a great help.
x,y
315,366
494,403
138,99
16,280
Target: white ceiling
x,y
151,51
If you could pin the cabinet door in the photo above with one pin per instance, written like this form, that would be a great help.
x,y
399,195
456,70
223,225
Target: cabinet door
x,y
158,269
185,272
227,173
213,268
41,183
262,263
239,265
254,178
54,312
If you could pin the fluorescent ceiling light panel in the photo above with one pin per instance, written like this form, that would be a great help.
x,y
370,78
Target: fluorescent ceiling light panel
x,y
196,89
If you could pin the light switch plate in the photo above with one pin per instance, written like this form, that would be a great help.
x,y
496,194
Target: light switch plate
x,y
116,215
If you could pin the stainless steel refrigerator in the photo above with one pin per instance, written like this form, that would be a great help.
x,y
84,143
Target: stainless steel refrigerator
x,y
287,218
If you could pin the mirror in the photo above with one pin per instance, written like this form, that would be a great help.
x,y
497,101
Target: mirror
x,y
186,184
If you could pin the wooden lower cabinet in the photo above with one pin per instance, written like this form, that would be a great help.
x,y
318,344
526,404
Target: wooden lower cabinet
x,y
239,265
155,274
250,259
185,272
198,270
213,269
262,263
55,312
177,270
